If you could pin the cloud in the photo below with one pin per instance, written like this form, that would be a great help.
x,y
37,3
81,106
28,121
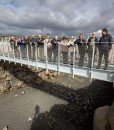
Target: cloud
x,y
55,16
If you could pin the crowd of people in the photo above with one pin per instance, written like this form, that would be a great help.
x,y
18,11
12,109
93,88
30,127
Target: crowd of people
x,y
42,46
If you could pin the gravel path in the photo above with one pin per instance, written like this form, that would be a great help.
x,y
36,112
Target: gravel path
x,y
15,108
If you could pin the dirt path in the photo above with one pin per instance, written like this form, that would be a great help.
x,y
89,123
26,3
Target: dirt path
x,y
15,108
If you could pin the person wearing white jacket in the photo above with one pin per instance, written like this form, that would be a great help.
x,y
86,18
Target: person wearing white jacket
x,y
71,48
48,47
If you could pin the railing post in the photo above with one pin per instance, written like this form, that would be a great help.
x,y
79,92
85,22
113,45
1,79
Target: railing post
x,y
3,51
31,51
8,51
46,59
20,54
27,54
74,55
3,48
36,52
59,56
13,52
2,40
93,54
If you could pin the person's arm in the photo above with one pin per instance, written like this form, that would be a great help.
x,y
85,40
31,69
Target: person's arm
x,y
53,43
99,43
110,42
84,41
89,42
96,42
76,42
72,43
44,41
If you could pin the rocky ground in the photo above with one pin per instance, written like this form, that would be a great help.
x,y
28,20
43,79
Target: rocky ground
x,y
76,98
14,77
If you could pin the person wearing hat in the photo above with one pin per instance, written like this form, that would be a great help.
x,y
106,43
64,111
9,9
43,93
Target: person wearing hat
x,y
92,46
104,46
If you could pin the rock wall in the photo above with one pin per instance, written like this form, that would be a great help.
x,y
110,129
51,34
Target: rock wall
x,y
8,82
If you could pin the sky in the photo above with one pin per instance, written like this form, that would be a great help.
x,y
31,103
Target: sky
x,y
56,16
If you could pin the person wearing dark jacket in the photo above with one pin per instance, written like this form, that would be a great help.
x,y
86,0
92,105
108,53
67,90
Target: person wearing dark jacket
x,y
33,42
40,48
28,47
104,46
81,42
22,45
92,48
55,43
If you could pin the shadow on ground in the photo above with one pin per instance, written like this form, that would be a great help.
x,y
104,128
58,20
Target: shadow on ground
x,y
77,114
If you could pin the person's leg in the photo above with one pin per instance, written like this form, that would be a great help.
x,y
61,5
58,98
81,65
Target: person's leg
x,y
65,57
95,55
29,51
55,55
24,52
16,52
72,56
80,55
89,58
100,59
83,57
49,52
106,57
33,52
21,51
41,53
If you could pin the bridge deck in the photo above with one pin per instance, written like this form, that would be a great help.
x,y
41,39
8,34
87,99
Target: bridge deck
x,y
106,75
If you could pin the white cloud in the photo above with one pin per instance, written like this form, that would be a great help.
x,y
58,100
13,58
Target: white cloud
x,y
55,15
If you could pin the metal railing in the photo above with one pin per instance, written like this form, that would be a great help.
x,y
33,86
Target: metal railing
x,y
70,56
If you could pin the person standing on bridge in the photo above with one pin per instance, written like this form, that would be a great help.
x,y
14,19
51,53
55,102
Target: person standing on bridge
x,y
72,48
81,42
33,42
22,45
40,48
64,49
55,44
14,46
12,42
104,46
92,46
48,47
27,43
